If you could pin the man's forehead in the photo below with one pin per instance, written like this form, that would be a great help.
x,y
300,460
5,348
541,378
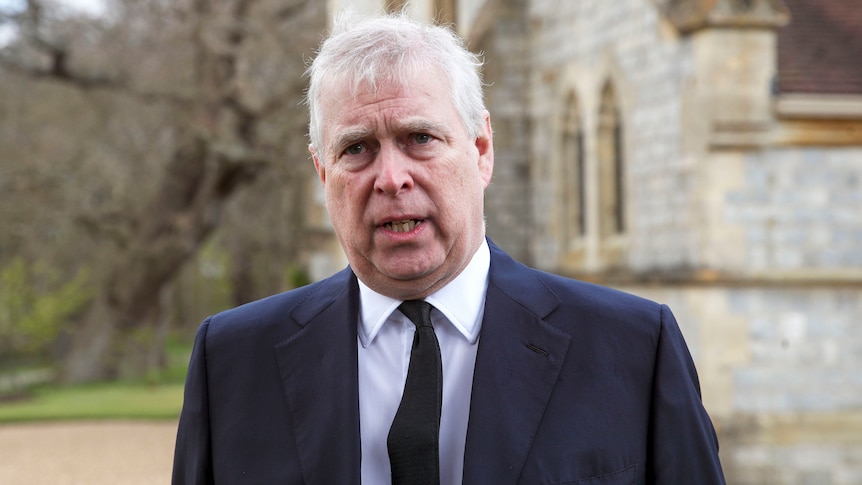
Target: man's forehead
x,y
347,94
397,108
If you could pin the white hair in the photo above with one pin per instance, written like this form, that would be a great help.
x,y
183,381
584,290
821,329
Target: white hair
x,y
389,49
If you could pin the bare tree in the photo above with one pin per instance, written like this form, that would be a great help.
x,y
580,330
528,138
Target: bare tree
x,y
218,83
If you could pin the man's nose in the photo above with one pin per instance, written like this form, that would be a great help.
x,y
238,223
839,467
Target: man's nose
x,y
393,173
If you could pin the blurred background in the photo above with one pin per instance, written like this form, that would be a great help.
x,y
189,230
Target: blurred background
x,y
703,153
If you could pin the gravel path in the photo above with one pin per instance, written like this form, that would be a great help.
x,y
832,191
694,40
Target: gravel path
x,y
87,453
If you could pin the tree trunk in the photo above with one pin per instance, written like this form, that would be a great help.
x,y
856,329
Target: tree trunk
x,y
118,333
88,346
102,349
242,277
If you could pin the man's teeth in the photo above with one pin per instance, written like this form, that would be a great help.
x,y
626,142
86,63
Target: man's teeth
x,y
402,226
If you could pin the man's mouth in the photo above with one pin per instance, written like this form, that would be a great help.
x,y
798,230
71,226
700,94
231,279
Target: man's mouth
x,y
406,225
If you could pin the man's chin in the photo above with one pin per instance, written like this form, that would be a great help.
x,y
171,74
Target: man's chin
x,y
408,276
408,265
403,283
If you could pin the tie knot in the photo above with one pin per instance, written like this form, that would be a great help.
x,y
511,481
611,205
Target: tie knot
x,y
418,311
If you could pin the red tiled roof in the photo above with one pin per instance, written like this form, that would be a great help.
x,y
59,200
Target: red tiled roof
x,y
820,51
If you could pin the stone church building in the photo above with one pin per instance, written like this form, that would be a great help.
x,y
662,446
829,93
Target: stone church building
x,y
706,154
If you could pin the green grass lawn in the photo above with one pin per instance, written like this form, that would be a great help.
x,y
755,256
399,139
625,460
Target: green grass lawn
x,y
160,398
100,401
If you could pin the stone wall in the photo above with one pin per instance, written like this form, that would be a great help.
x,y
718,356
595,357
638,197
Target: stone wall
x,y
507,200
579,46
796,211
779,373
755,242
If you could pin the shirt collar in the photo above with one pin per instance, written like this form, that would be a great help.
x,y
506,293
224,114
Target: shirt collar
x,y
461,301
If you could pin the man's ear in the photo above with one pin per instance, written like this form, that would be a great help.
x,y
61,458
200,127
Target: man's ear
x,y
485,147
318,165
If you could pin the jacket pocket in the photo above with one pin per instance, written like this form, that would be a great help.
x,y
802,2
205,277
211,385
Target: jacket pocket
x,y
626,476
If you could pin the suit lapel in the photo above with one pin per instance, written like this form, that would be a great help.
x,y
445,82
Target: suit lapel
x,y
517,365
318,367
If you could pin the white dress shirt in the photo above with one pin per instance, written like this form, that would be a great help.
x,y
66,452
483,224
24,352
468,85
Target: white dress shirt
x,y
385,340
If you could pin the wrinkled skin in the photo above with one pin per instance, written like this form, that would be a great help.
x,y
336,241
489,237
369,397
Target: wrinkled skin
x,y
401,153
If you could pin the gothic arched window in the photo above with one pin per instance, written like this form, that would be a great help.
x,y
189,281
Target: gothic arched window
x,y
573,175
611,165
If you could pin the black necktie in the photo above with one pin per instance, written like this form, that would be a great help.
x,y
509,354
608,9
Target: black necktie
x,y
413,442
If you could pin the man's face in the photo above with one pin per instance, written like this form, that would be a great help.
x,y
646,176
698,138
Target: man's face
x,y
404,184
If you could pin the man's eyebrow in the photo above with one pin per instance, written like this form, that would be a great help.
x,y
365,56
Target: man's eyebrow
x,y
422,125
348,136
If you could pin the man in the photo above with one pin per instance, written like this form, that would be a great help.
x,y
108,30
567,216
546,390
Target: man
x,y
510,375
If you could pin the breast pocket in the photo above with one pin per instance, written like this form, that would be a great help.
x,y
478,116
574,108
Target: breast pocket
x,y
629,475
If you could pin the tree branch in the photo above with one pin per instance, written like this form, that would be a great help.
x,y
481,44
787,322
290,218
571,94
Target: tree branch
x,y
290,11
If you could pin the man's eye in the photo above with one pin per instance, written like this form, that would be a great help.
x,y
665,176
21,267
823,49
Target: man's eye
x,y
421,138
355,149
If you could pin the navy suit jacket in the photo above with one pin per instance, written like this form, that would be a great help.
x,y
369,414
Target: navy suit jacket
x,y
574,383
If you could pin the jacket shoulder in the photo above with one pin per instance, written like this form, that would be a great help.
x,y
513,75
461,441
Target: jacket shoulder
x,y
288,309
593,296
548,294
595,310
